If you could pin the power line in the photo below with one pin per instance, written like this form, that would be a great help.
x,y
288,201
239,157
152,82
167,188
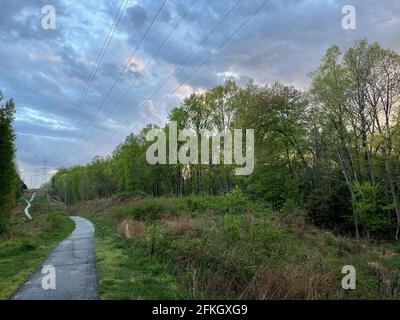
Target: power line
x,y
196,69
36,176
99,59
185,59
33,179
148,64
44,172
213,53
120,75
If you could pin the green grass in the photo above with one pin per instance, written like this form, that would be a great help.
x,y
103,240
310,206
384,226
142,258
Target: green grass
x,y
225,247
27,243
127,272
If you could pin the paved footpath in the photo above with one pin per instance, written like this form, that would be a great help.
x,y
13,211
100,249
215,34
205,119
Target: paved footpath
x,y
29,203
74,263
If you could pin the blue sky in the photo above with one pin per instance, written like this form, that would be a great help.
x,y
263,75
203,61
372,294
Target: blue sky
x,y
45,71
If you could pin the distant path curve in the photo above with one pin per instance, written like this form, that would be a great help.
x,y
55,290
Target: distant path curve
x,y
74,263
29,202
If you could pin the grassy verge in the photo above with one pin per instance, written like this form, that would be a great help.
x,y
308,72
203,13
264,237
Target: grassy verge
x,y
228,248
27,243
128,272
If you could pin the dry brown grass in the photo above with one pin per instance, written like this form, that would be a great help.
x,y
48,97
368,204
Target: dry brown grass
x,y
180,224
388,281
132,228
294,281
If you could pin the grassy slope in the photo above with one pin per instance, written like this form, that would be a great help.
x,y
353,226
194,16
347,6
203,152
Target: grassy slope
x,y
226,247
129,274
29,242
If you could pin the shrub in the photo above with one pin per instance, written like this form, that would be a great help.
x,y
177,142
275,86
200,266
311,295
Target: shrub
x,y
180,225
150,209
27,244
56,220
131,228
233,225
196,203
15,247
236,197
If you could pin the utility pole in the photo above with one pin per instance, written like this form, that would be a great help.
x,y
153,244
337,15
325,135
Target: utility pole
x,y
31,181
37,176
44,170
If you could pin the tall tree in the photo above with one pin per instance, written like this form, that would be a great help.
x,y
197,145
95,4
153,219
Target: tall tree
x,y
8,174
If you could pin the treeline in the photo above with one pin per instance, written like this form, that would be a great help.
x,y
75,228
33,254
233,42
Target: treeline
x,y
333,150
10,183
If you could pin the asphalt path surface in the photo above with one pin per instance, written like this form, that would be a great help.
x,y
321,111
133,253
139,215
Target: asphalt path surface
x,y
74,264
29,203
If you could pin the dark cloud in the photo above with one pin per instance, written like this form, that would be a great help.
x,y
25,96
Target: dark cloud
x,y
136,17
110,69
73,65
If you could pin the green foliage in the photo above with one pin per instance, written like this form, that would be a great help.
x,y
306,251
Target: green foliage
x,y
208,255
196,203
153,208
232,225
127,273
317,150
370,208
234,202
9,180
236,197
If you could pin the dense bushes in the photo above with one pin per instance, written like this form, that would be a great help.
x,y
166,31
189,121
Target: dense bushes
x,y
233,202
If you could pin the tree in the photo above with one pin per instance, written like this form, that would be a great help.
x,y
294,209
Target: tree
x,y
9,181
356,95
333,151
